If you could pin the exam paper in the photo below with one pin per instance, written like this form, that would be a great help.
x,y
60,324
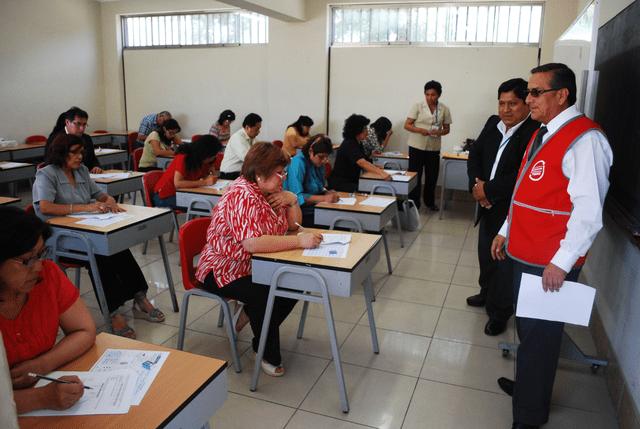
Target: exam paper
x,y
110,393
392,172
400,178
110,176
346,201
377,201
132,360
220,184
572,304
105,150
391,153
12,164
100,219
332,246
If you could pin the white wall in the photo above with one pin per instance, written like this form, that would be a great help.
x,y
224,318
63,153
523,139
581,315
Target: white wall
x,y
51,60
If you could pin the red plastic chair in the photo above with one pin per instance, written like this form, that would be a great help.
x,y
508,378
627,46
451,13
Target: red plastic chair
x,y
327,170
195,137
278,143
63,265
134,159
193,237
101,132
149,181
133,137
218,162
36,139
39,167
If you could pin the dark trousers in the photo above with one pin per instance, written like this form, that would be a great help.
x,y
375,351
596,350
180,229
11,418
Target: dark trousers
x,y
496,277
120,275
147,169
230,176
429,161
537,357
254,296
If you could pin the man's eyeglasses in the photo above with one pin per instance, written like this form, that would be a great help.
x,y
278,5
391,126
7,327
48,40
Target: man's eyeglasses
x,y
39,257
80,125
535,92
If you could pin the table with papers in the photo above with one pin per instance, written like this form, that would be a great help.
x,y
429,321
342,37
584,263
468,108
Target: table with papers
x,y
400,159
119,182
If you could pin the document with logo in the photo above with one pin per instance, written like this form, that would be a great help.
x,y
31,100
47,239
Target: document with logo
x,y
572,304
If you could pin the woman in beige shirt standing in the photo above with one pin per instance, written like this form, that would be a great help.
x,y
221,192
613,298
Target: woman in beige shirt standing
x,y
297,135
427,122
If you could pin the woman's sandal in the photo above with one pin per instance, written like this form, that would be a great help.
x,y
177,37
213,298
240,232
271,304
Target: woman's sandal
x,y
434,208
270,370
155,316
126,333
240,319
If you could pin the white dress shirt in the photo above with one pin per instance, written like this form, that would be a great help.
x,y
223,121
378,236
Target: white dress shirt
x,y
237,148
586,164
506,138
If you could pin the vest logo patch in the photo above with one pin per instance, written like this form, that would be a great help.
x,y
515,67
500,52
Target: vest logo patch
x,y
537,171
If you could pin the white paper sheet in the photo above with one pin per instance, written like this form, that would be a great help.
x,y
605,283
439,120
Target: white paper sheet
x,y
392,172
377,201
12,164
105,150
346,201
400,178
572,304
110,176
110,393
332,246
220,184
101,219
132,360
391,153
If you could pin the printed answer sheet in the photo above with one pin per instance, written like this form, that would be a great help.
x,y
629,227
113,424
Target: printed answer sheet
x,y
110,393
332,246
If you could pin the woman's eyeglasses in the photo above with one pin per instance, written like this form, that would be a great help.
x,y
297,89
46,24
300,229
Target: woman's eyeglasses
x,y
39,257
283,175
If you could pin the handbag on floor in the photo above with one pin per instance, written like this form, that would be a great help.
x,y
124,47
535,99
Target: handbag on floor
x,y
409,217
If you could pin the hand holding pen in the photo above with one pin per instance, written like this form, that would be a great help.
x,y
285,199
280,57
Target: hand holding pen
x,y
310,240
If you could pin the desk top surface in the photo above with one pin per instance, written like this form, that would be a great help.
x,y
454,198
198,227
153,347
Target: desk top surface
x,y
374,176
132,174
204,191
119,133
357,207
181,376
8,200
403,155
360,246
140,214
25,146
460,156
22,165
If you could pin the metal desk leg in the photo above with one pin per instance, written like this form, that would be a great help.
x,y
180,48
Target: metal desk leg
x,y
167,270
386,249
399,226
368,296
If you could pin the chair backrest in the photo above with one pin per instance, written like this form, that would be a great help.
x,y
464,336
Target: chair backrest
x,y
218,162
327,170
195,137
40,165
101,132
30,209
149,181
36,139
137,154
193,236
278,143
132,140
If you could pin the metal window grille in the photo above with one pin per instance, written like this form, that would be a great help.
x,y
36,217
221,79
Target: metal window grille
x,y
195,29
490,23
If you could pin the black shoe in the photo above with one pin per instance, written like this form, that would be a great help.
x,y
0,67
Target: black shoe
x,y
506,385
517,425
476,301
495,327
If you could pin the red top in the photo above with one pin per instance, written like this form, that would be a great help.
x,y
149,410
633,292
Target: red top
x,y
241,213
165,187
35,329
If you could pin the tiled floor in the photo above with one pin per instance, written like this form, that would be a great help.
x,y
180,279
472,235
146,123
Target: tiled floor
x,y
436,368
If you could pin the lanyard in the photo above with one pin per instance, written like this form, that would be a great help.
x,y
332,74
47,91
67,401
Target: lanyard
x,y
505,142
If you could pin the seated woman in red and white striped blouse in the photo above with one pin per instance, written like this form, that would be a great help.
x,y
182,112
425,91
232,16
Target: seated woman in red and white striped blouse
x,y
252,216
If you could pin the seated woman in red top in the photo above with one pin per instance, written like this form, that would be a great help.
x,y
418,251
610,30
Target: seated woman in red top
x,y
36,299
191,168
252,216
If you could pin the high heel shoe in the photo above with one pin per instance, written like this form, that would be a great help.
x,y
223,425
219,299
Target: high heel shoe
x,y
155,316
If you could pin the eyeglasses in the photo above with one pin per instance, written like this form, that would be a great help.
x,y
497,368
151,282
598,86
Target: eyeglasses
x,y
78,152
80,125
171,133
39,257
535,92
282,176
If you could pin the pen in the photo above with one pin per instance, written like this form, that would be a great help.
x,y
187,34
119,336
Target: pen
x,y
304,228
55,380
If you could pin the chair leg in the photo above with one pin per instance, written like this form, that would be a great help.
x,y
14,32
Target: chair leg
x,y
175,223
263,340
336,352
183,320
368,295
78,278
144,248
221,317
303,318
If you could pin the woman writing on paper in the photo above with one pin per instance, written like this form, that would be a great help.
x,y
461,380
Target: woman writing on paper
x,y
36,299
159,143
222,128
252,216
305,176
378,137
191,168
64,187
350,160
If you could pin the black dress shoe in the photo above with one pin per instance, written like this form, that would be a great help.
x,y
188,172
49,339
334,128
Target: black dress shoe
x,y
506,385
476,301
495,327
517,425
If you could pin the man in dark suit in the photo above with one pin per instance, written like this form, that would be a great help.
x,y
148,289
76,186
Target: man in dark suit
x,y
492,168
74,121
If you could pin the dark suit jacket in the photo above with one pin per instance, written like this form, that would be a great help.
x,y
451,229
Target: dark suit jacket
x,y
481,158
89,160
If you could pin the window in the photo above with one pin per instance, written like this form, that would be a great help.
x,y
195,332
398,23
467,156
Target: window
x,y
494,23
190,29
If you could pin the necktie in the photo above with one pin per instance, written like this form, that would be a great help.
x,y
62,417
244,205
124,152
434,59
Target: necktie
x,y
537,142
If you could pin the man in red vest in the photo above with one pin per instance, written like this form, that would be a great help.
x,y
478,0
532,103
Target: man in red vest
x,y
555,214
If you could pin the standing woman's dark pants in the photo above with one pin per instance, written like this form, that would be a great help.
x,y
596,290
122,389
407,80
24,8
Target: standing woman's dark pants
x,y
429,161
254,296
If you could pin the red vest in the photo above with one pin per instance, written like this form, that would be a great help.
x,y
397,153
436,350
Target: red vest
x,y
541,207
